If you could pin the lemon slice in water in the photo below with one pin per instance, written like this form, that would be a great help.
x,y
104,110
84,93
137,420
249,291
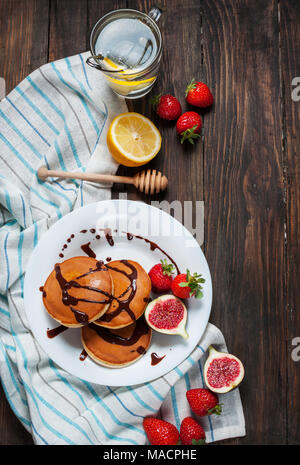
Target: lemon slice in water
x,y
127,84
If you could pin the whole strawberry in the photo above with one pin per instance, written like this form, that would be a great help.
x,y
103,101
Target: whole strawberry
x,y
160,432
191,433
167,106
161,276
188,126
198,94
185,285
203,402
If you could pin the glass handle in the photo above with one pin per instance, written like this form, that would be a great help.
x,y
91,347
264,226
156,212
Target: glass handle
x,y
155,13
92,63
95,65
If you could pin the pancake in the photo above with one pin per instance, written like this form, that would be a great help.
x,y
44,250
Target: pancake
x,y
77,291
116,348
132,287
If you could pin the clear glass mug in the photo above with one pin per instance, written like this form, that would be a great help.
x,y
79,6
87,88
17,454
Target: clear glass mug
x,y
126,47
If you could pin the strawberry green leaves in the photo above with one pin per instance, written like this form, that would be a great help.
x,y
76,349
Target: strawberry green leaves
x,y
194,283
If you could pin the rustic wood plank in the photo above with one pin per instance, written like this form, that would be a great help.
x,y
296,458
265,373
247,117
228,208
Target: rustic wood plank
x,y
12,431
244,203
24,38
183,165
68,34
24,47
290,66
98,9
243,170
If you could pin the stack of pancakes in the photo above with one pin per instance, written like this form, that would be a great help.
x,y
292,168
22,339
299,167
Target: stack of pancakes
x,y
107,301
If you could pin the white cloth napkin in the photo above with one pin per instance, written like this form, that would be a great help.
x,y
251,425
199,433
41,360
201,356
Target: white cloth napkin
x,y
59,116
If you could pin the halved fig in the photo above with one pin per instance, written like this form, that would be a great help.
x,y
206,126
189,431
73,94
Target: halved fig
x,y
222,372
167,314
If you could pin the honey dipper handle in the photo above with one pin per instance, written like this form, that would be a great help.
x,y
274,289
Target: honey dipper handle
x,y
44,173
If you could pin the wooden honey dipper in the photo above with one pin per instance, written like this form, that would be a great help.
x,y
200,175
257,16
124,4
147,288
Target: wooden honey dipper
x,y
149,182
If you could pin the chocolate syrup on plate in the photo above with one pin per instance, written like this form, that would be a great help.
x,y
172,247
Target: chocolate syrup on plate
x,y
44,292
86,249
153,246
83,355
51,333
108,236
155,359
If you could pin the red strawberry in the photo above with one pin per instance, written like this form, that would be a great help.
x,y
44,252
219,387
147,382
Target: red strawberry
x,y
191,433
160,432
186,285
203,402
167,106
189,126
161,276
198,94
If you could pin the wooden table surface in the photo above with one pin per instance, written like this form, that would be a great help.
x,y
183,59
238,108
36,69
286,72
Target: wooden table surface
x,y
246,169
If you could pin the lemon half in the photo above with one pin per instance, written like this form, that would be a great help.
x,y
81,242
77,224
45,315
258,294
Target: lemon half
x,y
132,139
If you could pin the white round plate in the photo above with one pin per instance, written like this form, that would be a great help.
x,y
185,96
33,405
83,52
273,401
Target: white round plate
x,y
137,218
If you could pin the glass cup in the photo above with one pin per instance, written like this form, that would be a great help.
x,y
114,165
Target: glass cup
x,y
126,47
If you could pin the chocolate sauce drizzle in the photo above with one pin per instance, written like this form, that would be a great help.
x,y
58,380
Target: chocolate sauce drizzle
x,y
51,333
155,359
108,236
81,317
43,291
140,330
141,350
153,246
124,304
71,301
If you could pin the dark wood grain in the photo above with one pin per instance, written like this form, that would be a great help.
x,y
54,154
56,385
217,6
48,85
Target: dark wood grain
x,y
12,431
24,47
246,168
290,66
24,38
98,9
68,28
244,203
183,165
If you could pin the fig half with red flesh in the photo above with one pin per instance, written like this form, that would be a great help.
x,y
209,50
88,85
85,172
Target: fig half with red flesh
x,y
167,314
222,372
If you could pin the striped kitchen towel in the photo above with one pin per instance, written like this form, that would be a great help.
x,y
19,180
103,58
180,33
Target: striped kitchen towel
x,y
58,116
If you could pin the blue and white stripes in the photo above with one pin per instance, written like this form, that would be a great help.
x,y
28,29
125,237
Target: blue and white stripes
x,y
57,116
